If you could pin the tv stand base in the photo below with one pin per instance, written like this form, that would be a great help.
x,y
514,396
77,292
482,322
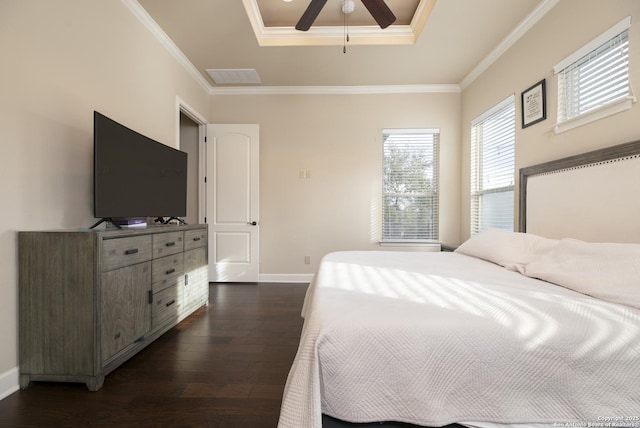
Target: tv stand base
x,y
161,220
106,220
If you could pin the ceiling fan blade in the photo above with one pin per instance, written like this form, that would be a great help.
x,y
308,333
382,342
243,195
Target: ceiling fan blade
x,y
380,12
310,15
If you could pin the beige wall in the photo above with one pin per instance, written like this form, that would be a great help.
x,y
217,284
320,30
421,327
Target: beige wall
x,y
338,138
566,28
61,60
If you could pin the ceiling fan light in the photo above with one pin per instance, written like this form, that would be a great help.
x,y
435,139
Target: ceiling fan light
x,y
348,6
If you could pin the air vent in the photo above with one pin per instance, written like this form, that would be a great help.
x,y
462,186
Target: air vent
x,y
247,76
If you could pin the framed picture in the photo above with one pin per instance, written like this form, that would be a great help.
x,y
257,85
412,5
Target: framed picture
x,y
534,104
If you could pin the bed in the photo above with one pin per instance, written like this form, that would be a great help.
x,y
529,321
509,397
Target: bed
x,y
536,327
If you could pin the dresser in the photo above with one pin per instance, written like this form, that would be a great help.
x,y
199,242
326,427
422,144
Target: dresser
x,y
91,299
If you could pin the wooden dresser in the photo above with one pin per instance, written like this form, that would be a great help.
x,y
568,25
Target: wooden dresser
x,y
91,299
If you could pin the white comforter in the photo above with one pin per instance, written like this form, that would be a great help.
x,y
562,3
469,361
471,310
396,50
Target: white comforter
x,y
436,338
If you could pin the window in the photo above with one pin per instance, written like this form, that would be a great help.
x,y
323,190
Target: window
x,y
492,167
594,81
410,185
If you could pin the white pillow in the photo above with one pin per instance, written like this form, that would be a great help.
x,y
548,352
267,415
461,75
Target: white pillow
x,y
511,250
609,272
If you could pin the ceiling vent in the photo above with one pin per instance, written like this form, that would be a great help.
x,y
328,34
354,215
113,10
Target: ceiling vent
x,y
229,76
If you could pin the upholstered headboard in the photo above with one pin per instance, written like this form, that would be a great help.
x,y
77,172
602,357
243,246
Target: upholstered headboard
x,y
593,196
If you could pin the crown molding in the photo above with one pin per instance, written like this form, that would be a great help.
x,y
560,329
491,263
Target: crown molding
x,y
334,36
334,90
521,29
146,19
423,11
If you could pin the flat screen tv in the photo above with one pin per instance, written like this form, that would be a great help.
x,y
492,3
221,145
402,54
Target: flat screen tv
x,y
135,176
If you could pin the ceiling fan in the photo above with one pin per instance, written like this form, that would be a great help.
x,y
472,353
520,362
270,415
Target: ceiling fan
x,y
377,8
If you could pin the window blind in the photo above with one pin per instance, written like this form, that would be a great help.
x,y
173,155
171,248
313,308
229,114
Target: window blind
x,y
410,185
596,79
492,168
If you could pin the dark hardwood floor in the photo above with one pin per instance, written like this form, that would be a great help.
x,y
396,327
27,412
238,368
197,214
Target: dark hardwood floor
x,y
225,366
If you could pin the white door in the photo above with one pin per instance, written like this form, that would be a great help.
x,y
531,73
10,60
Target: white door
x,y
233,202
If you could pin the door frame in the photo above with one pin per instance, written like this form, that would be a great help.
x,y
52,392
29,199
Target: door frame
x,y
191,113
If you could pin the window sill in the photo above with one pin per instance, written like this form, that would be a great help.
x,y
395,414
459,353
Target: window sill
x,y
610,109
408,243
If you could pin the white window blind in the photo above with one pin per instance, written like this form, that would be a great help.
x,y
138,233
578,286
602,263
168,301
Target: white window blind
x,y
595,76
410,185
492,168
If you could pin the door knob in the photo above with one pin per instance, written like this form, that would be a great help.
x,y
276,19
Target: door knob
x,y
252,223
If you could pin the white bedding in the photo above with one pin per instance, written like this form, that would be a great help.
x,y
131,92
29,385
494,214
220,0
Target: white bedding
x,y
437,338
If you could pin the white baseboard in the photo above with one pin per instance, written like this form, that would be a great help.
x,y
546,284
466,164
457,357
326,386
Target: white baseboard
x,y
286,277
9,383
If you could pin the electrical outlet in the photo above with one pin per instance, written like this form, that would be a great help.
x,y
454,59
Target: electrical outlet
x,y
307,260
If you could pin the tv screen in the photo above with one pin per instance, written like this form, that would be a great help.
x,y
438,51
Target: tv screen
x,y
135,176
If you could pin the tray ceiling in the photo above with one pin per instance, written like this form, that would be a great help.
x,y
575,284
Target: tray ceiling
x,y
457,40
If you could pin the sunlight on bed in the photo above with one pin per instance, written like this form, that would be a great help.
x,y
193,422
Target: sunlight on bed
x,y
513,307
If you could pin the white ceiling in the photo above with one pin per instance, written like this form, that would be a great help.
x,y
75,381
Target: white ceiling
x,y
458,37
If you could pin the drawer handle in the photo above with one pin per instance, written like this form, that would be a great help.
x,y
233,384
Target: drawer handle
x,y
131,251
150,296
196,239
170,244
171,303
170,271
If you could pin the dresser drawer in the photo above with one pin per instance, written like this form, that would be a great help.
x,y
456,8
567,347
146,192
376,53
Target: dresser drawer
x,y
166,271
166,306
165,244
119,252
195,239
